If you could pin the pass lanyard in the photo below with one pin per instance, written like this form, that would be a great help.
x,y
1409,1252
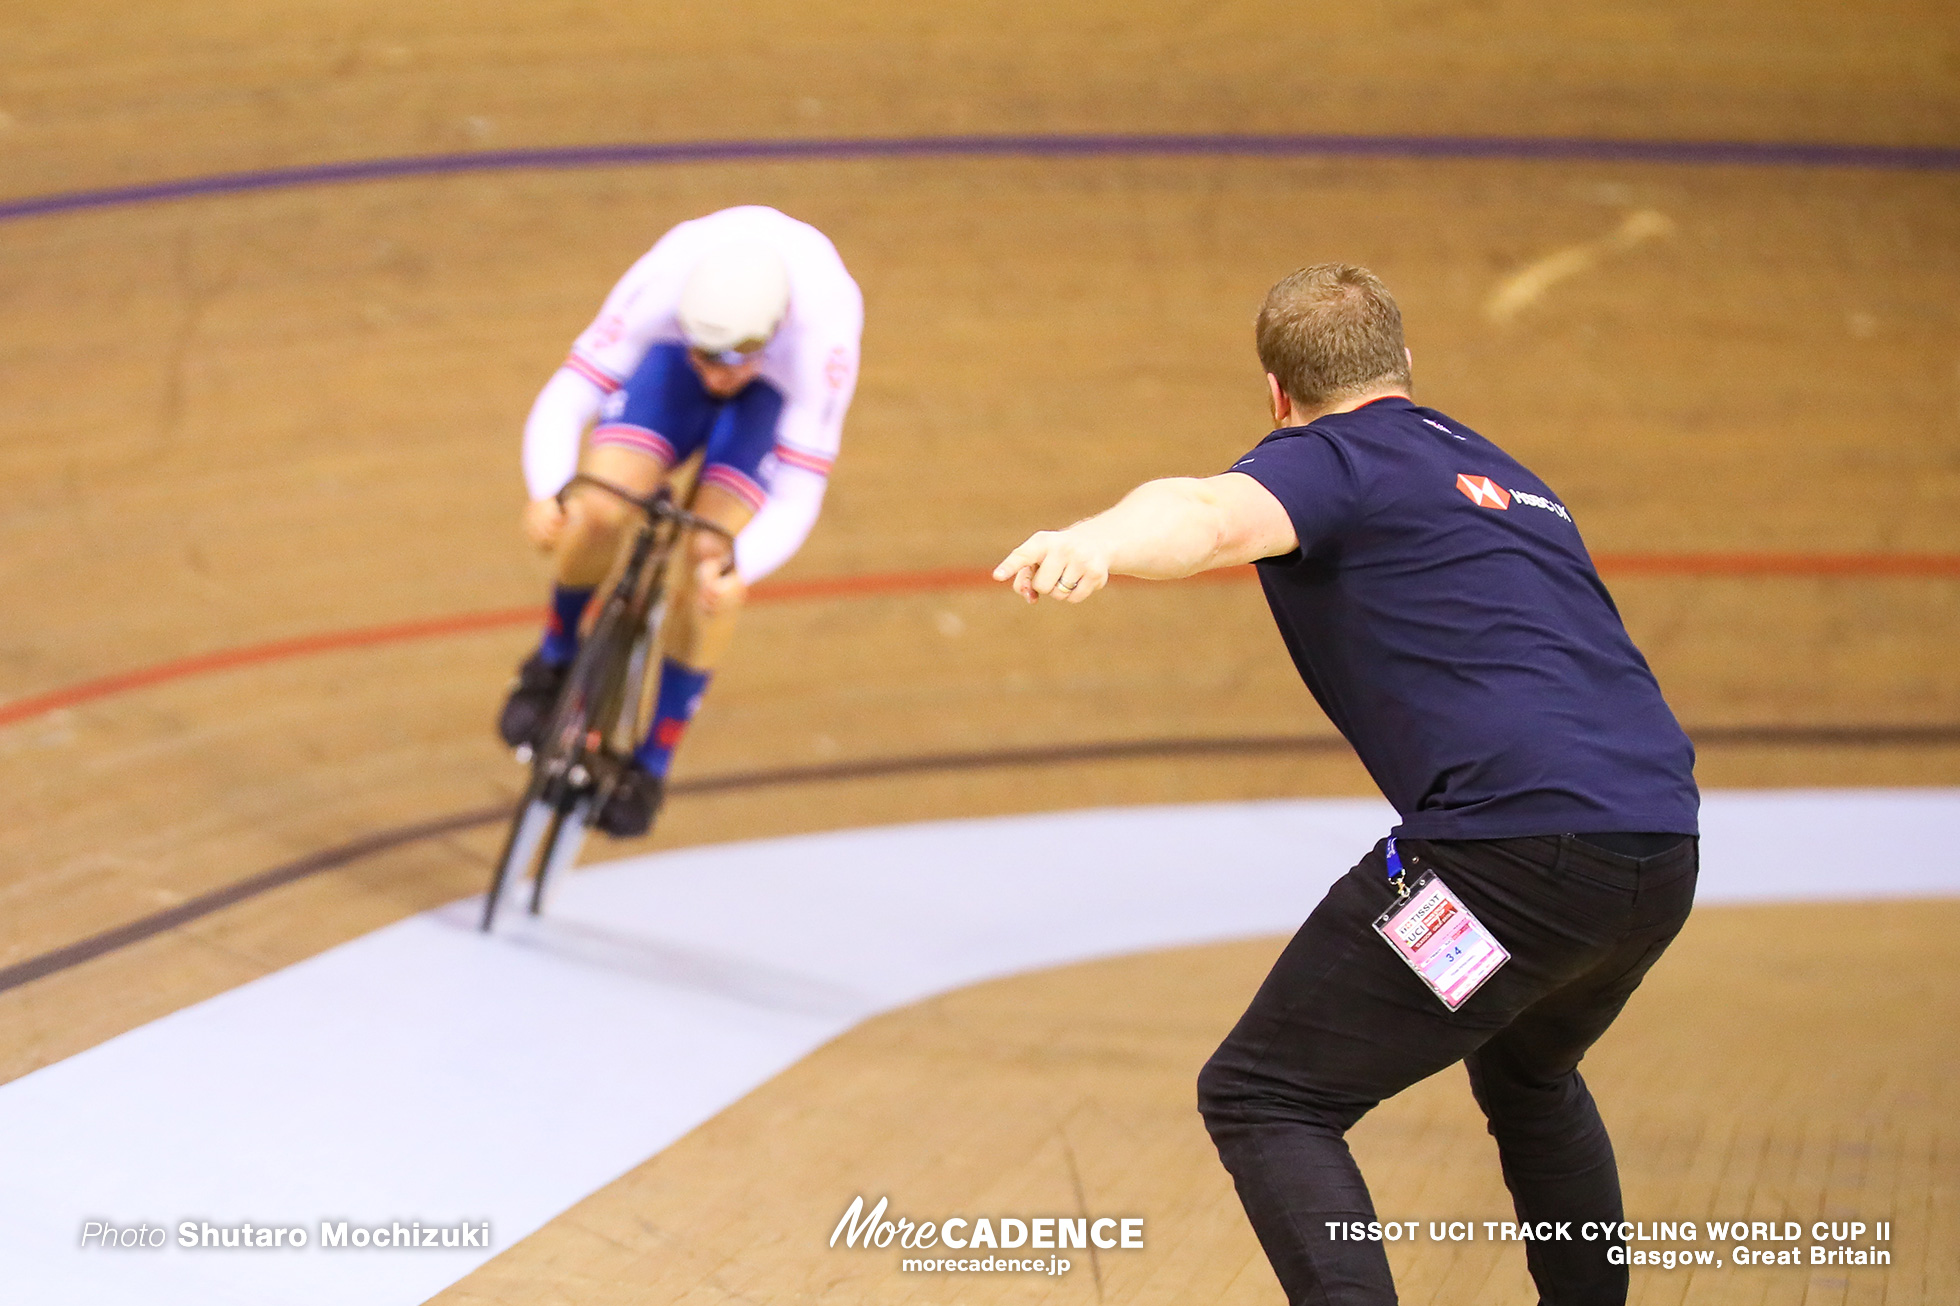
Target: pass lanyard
x,y
1395,872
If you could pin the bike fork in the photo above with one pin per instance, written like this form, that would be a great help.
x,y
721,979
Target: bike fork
x,y
520,849
567,837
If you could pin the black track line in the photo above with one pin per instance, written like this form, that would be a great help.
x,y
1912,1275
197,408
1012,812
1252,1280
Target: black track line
x,y
330,859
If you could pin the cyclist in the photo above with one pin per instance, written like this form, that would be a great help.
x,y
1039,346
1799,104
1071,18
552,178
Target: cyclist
x,y
737,336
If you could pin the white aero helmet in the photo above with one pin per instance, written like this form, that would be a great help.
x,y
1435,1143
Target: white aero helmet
x,y
735,299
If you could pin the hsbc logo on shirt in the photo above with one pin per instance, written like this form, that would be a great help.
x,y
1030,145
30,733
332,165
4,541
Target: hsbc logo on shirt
x,y
1486,493
1483,491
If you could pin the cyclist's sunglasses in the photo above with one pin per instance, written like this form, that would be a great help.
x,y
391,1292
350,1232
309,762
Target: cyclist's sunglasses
x,y
742,353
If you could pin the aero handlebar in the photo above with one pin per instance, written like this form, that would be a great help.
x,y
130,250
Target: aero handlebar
x,y
657,506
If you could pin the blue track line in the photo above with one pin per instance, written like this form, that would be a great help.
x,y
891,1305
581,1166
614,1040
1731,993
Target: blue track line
x,y
1930,158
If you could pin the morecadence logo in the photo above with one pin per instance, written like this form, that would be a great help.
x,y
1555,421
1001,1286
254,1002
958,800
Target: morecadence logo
x,y
978,1239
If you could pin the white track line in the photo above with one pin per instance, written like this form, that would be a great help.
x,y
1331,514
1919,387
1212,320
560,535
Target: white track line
x,y
1528,284
427,1073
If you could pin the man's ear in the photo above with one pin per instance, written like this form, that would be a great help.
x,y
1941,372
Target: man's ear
x,y
1281,402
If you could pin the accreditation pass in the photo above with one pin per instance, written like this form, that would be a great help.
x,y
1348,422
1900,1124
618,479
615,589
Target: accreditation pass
x,y
1446,946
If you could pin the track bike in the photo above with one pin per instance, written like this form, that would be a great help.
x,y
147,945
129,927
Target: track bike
x,y
589,737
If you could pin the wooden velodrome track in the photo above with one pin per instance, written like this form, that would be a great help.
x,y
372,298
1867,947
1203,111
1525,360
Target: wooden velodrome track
x,y
232,421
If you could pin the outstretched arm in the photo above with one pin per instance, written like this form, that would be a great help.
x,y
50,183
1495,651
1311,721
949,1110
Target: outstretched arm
x,y
1161,530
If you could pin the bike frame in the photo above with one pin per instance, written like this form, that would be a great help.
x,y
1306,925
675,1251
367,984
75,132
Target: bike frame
x,y
591,732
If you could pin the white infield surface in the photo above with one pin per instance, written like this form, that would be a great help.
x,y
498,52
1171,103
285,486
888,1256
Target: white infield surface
x,y
427,1073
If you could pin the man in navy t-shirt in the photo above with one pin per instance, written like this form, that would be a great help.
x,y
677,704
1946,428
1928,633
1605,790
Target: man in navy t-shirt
x,y
1443,611
1441,607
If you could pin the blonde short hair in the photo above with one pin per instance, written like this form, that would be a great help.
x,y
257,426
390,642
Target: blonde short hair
x,y
1331,331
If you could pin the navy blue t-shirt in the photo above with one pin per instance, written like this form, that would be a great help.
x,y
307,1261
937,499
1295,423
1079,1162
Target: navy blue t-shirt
x,y
1445,614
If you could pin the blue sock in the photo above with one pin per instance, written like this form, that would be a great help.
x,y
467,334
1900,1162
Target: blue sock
x,y
680,694
561,632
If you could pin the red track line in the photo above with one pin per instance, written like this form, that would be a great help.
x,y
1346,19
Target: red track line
x,y
1815,565
873,584
1824,565
252,654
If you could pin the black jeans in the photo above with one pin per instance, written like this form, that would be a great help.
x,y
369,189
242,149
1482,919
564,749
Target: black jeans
x,y
1342,1023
